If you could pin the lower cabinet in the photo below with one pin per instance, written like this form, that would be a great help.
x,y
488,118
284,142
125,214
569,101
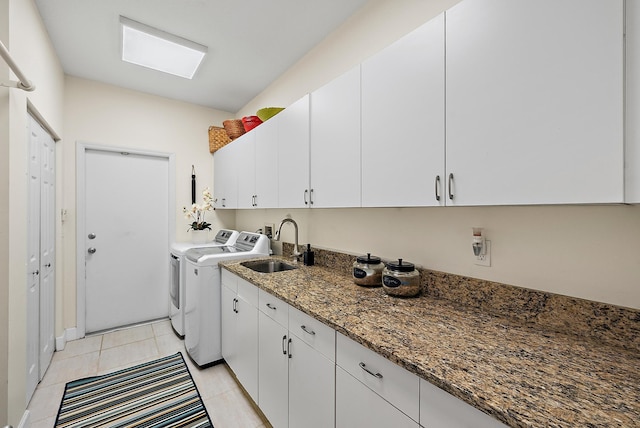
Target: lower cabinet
x,y
441,409
296,369
371,390
240,330
312,368
273,370
359,406
302,374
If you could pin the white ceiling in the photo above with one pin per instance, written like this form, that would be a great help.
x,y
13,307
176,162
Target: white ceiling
x,y
251,42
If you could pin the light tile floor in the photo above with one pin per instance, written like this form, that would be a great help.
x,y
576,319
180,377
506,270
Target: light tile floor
x,y
100,354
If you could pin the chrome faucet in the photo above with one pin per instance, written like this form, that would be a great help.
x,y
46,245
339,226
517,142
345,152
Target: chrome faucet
x,y
296,253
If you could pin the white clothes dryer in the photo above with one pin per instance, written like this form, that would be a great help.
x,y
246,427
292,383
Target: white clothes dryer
x,y
203,318
179,270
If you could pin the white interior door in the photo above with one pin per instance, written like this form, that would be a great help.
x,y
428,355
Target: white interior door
x,y
40,255
47,250
126,227
33,261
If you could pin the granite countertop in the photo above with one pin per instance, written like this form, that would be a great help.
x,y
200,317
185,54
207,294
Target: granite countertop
x,y
522,375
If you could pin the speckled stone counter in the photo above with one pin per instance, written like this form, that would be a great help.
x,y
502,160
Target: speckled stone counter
x,y
524,373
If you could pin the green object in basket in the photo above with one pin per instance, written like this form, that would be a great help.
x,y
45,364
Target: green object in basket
x,y
268,112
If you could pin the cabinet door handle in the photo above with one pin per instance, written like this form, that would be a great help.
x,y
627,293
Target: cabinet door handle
x,y
437,187
450,185
306,191
363,366
224,200
284,341
235,305
270,306
306,330
311,196
289,347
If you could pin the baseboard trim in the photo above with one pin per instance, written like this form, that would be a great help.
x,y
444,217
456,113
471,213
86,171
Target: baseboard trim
x,y
24,422
68,335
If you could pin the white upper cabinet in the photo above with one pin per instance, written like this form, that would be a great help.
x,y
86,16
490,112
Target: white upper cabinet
x,y
403,121
335,142
293,155
245,158
534,102
266,164
632,155
225,178
257,167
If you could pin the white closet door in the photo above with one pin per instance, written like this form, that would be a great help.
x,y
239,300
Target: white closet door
x,y
33,261
40,255
47,251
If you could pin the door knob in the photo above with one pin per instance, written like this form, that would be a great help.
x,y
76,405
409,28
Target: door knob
x,y
92,236
91,250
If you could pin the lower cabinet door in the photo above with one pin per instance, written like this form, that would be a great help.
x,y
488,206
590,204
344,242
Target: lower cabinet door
x,y
273,367
229,322
358,406
246,347
311,387
441,409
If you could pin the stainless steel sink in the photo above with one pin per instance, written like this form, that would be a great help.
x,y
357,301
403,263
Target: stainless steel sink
x,y
268,266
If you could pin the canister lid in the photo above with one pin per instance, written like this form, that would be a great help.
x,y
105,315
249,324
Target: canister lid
x,y
401,266
369,259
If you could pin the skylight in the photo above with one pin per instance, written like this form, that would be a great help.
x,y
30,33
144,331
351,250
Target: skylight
x,y
158,50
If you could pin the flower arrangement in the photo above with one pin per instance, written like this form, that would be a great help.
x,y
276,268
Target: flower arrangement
x,y
196,212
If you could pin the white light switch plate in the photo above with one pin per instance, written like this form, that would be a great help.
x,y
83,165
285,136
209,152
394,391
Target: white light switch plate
x,y
484,260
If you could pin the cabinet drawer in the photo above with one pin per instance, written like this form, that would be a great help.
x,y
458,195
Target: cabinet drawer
x,y
319,336
395,384
438,408
248,292
273,307
358,406
229,280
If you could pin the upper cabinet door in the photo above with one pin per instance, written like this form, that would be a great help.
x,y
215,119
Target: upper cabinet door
x,y
632,155
403,121
266,164
335,142
293,155
245,158
534,102
225,178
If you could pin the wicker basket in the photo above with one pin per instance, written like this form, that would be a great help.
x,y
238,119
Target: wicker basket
x,y
218,138
234,128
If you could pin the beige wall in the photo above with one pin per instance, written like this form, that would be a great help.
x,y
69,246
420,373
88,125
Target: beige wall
x,y
584,251
97,113
29,45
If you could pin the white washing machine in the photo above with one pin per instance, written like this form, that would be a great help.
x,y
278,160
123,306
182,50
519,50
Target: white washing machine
x,y
178,272
203,318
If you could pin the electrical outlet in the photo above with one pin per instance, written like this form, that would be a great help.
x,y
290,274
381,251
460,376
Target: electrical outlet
x,y
269,229
484,259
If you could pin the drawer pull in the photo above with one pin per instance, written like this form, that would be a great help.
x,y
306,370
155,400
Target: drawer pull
x,y
306,330
270,306
364,367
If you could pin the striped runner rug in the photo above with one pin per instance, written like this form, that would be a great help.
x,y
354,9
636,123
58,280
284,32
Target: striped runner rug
x,y
159,393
